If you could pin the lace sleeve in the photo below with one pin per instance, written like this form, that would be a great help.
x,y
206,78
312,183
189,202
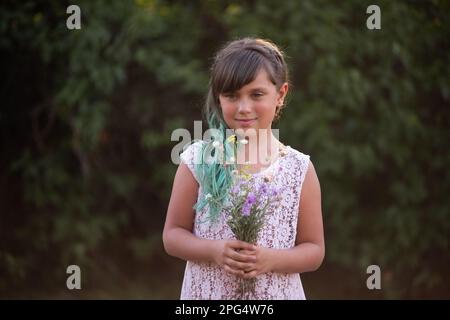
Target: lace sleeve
x,y
190,156
304,165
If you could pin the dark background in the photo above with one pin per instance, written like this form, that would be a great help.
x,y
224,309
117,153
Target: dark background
x,y
86,117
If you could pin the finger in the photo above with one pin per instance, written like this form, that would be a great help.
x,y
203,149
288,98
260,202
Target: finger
x,y
247,252
241,257
250,268
251,274
242,245
230,270
238,265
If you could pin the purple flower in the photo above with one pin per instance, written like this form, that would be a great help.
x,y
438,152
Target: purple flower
x,y
246,209
251,198
274,192
263,189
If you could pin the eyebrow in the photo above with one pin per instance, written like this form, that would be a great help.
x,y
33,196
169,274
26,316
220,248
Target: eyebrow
x,y
256,89
253,89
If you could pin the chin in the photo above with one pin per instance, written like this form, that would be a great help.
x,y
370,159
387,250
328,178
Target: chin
x,y
247,131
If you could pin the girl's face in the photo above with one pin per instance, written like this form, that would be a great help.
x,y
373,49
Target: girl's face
x,y
253,105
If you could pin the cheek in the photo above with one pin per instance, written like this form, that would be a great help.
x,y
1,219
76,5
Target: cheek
x,y
228,110
265,111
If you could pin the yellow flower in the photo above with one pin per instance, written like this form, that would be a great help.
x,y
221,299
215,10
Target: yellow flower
x,y
232,138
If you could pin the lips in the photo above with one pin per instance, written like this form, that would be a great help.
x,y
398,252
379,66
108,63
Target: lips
x,y
246,122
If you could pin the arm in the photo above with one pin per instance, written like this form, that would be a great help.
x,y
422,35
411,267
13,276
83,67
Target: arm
x,y
309,251
178,239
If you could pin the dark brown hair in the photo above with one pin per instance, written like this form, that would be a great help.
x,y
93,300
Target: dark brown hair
x,y
238,64
234,66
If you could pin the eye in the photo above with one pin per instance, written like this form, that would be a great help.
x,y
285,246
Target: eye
x,y
257,95
229,96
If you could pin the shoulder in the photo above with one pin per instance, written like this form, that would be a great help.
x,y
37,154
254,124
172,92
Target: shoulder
x,y
305,167
191,156
194,145
308,177
190,151
300,158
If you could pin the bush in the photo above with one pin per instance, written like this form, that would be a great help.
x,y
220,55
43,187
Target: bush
x,y
87,114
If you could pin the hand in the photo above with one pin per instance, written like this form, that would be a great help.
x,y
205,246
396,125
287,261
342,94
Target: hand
x,y
234,256
262,264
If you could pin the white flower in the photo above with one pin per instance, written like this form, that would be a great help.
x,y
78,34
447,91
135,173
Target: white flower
x,y
208,196
243,141
232,159
216,144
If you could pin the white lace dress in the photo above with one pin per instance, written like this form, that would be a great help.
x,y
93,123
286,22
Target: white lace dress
x,y
210,281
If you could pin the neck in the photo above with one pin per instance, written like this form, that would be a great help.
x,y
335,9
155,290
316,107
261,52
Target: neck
x,y
261,149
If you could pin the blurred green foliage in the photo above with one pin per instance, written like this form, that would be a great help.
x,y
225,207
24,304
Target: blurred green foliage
x,y
86,117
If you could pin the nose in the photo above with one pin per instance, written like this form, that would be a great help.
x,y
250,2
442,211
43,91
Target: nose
x,y
244,106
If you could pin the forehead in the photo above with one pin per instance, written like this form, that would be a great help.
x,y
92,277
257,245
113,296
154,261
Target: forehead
x,y
261,81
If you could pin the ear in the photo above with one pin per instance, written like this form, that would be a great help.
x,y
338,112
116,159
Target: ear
x,y
282,93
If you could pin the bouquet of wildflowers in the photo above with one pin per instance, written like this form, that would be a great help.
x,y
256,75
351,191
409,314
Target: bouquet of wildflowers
x,y
250,197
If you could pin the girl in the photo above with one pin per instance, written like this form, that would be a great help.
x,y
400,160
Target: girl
x,y
248,85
